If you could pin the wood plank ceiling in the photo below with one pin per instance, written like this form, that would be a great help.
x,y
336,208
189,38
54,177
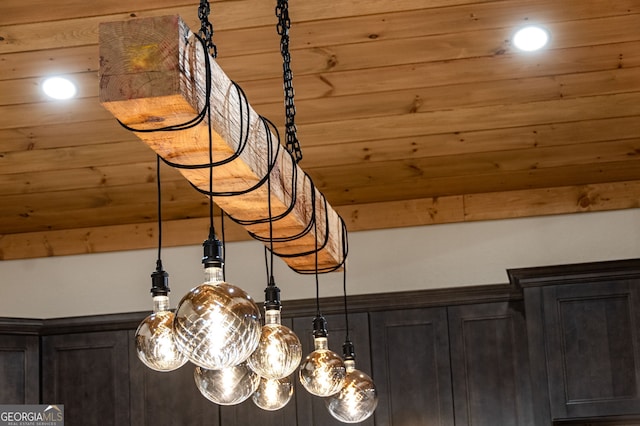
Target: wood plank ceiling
x,y
409,112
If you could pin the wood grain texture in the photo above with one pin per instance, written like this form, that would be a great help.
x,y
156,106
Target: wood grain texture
x,y
150,75
376,215
398,104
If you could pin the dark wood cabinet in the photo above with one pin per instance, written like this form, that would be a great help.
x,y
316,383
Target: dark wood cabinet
x,y
167,398
411,367
89,374
464,365
489,365
586,347
561,345
19,369
593,356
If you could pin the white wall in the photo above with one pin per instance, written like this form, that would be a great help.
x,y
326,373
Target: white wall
x,y
427,257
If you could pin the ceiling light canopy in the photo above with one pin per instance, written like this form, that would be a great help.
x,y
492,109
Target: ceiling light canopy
x,y
59,88
531,38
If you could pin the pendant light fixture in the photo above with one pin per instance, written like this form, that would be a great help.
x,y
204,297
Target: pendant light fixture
x,y
155,341
217,325
154,338
322,372
228,386
358,398
279,350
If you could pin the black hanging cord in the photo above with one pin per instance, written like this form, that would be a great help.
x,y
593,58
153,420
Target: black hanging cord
x,y
319,322
348,349
272,292
270,165
212,227
159,192
269,208
159,278
315,232
224,242
206,33
284,23
344,293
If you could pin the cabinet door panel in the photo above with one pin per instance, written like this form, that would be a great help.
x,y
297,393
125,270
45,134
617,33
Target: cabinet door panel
x,y
489,362
89,374
167,398
311,410
593,348
19,365
411,367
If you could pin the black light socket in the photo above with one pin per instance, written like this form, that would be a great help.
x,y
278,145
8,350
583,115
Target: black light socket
x,y
320,327
213,252
272,296
160,283
348,351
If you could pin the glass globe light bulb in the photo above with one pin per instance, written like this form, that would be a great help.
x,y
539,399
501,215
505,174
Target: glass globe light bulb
x,y
217,325
322,372
279,351
228,386
358,398
273,394
155,343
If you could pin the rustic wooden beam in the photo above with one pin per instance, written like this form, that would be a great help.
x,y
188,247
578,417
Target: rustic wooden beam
x,y
153,75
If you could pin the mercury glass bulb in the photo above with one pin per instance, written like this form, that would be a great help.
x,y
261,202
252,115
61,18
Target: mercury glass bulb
x,y
228,386
322,372
217,325
357,399
279,351
155,343
273,394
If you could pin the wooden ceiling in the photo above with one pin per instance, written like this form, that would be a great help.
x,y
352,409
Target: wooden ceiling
x,y
409,112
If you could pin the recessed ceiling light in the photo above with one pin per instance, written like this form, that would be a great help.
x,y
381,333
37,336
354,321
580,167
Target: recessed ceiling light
x,y
59,88
531,38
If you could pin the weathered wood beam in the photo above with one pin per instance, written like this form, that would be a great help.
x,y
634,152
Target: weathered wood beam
x,y
153,75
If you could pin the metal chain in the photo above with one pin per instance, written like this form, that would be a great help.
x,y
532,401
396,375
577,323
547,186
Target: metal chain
x,y
206,29
284,23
